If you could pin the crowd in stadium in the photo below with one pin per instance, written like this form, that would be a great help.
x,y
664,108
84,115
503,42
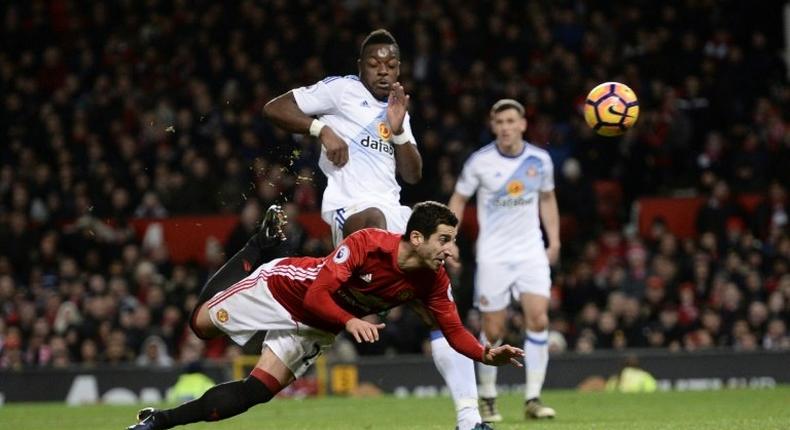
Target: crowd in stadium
x,y
117,110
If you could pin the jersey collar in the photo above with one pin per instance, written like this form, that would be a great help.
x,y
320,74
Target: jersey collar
x,y
523,148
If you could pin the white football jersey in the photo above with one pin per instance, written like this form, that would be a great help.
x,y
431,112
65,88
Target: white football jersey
x,y
508,192
344,104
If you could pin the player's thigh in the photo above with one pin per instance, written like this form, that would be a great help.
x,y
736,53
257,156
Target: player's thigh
x,y
367,218
387,217
202,325
532,289
532,276
493,281
298,349
345,221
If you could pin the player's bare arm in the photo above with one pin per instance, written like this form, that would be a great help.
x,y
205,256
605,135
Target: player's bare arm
x,y
285,113
550,216
407,158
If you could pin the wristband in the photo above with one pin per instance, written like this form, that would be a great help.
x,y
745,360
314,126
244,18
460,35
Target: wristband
x,y
315,127
400,139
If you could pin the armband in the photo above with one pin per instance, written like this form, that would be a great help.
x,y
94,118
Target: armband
x,y
400,139
315,127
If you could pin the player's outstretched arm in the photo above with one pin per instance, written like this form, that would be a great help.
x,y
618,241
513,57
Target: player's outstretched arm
x,y
284,112
504,354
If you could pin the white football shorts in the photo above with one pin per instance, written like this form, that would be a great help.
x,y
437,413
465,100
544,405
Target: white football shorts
x,y
397,218
497,282
248,307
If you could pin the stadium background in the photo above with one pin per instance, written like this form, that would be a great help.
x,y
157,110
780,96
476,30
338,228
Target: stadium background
x,y
115,114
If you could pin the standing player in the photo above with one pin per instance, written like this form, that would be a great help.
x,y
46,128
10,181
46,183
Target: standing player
x,y
514,182
303,302
363,125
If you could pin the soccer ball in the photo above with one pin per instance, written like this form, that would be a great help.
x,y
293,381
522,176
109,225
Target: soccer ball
x,y
611,108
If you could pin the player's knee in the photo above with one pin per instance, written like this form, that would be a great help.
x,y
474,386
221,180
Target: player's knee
x,y
537,322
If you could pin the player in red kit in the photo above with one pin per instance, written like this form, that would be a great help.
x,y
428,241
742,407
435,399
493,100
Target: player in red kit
x,y
303,302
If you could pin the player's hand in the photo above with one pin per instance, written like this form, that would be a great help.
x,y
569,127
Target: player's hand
x,y
363,330
553,253
336,148
504,354
397,103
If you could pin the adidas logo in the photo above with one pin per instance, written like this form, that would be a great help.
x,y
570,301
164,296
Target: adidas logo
x,y
364,103
366,277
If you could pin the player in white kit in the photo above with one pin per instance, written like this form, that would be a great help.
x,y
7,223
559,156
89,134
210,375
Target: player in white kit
x,y
514,182
363,125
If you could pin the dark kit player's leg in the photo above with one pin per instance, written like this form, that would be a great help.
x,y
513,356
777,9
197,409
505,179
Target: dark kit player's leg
x,y
230,398
223,400
262,246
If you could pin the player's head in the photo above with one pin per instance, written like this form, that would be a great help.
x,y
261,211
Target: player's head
x,y
379,62
507,121
431,230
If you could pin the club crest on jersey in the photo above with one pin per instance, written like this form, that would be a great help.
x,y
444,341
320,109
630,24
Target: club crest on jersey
x,y
222,316
341,255
384,131
515,188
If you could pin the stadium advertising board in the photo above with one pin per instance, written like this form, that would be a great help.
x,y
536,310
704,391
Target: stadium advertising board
x,y
408,376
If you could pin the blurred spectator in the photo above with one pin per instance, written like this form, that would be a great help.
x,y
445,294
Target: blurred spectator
x,y
154,353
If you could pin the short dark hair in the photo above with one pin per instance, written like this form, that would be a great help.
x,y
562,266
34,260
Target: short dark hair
x,y
427,216
378,37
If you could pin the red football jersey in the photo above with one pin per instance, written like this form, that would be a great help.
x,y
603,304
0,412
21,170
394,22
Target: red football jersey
x,y
361,277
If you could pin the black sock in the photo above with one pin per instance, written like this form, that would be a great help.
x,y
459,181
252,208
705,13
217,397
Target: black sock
x,y
219,402
254,253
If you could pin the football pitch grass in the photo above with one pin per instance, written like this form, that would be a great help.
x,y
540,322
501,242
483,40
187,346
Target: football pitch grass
x,y
764,409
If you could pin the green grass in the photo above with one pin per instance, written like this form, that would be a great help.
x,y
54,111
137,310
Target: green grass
x,y
713,410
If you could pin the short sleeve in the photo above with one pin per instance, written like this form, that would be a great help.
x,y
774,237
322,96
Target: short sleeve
x,y
321,98
468,181
547,182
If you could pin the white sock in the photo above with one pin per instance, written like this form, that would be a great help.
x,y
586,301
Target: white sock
x,y
536,349
459,375
486,375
